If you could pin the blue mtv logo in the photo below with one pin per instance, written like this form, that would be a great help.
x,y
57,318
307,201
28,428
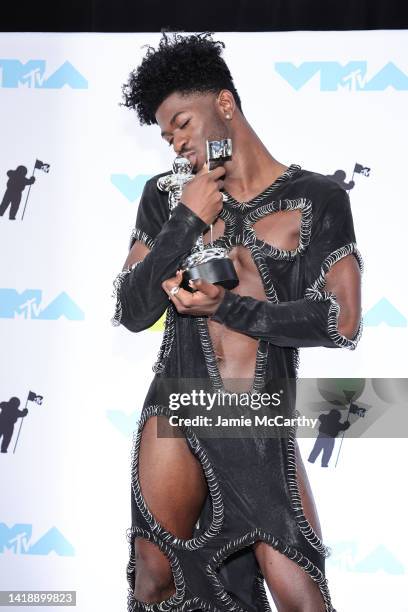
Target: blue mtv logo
x,y
131,188
18,539
345,556
14,73
351,76
27,305
384,312
125,423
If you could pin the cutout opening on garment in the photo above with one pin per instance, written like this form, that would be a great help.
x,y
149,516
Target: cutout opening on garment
x,y
248,539
280,230
255,224
214,494
316,292
177,575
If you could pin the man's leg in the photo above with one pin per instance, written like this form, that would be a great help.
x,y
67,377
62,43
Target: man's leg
x,y
174,488
292,589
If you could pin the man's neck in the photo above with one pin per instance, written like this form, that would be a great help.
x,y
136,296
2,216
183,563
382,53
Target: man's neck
x,y
252,167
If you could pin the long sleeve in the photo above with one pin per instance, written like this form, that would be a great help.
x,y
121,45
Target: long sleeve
x,y
140,299
312,320
298,323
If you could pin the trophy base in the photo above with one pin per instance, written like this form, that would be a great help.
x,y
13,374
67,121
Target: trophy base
x,y
219,271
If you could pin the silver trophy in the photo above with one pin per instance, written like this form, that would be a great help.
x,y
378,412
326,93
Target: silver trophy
x,y
174,183
205,261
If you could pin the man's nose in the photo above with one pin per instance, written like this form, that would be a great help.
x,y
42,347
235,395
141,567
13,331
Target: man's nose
x,y
179,144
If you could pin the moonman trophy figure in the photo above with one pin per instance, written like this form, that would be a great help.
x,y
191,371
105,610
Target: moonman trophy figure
x,y
218,521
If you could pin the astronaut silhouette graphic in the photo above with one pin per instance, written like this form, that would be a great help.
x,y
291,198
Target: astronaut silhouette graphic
x,y
9,413
16,184
330,426
339,177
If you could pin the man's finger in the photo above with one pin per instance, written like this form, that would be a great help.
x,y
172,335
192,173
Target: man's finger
x,y
204,170
170,282
208,289
218,172
181,296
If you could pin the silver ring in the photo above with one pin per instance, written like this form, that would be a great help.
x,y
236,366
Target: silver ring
x,y
174,290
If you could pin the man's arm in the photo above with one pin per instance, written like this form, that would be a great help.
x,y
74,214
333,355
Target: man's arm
x,y
332,321
140,298
344,280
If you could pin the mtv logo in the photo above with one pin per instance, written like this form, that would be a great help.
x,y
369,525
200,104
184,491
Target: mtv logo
x,y
131,188
351,76
17,539
27,305
384,312
31,74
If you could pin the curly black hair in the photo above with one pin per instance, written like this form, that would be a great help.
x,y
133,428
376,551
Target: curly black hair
x,y
187,64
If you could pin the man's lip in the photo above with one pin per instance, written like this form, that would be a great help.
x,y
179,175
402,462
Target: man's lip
x,y
189,155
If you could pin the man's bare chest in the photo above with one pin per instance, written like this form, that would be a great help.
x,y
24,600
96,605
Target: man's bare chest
x,y
280,229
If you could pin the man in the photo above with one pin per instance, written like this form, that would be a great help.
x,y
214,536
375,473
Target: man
x,y
213,518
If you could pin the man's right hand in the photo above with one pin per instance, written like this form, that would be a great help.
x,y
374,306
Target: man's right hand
x,y
202,194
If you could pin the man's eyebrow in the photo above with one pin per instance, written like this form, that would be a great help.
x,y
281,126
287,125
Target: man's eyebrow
x,y
172,120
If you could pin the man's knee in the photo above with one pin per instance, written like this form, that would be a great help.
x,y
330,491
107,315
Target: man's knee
x,y
153,574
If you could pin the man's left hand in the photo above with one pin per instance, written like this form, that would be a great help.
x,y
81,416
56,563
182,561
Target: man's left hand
x,y
202,302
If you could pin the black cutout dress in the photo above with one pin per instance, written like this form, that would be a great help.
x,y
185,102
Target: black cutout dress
x,y
253,491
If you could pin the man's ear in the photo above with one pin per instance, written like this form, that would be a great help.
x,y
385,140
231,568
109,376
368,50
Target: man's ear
x,y
226,103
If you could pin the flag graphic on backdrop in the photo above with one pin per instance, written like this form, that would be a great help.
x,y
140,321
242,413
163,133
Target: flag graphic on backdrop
x,y
39,165
33,397
359,169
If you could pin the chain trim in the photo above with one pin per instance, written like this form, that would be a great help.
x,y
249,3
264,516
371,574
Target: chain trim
x,y
167,340
316,292
213,486
290,552
304,205
304,525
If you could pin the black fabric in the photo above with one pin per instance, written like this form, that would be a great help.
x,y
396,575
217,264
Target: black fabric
x,y
255,495
142,297
304,322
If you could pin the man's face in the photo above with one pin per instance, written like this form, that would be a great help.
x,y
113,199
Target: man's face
x,y
187,121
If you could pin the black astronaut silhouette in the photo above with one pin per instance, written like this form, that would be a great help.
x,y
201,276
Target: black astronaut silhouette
x,y
9,413
16,184
330,426
339,177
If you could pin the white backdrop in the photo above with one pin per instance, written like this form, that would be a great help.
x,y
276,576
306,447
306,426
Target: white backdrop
x,y
324,100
